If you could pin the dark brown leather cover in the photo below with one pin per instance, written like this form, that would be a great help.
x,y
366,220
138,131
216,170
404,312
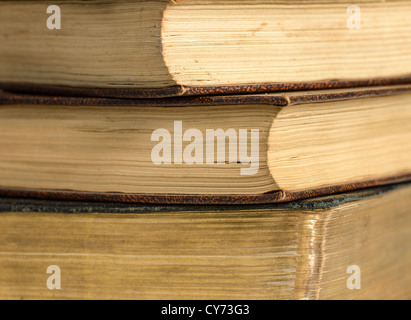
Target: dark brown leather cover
x,y
175,199
279,99
180,90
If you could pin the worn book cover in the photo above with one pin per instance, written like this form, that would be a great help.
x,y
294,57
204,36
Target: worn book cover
x,y
201,150
351,246
163,48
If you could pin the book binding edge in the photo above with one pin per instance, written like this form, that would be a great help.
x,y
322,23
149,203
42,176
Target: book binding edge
x,y
182,90
279,196
276,99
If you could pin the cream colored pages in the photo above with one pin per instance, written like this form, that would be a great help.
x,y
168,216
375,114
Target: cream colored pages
x,y
158,44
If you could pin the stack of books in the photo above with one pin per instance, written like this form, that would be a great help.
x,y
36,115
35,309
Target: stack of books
x,y
201,149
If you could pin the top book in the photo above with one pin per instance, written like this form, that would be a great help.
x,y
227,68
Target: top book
x,y
161,48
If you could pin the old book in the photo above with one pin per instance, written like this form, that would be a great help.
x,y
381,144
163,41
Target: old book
x,y
228,149
351,246
174,47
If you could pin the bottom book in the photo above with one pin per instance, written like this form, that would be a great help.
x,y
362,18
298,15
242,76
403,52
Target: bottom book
x,y
349,246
